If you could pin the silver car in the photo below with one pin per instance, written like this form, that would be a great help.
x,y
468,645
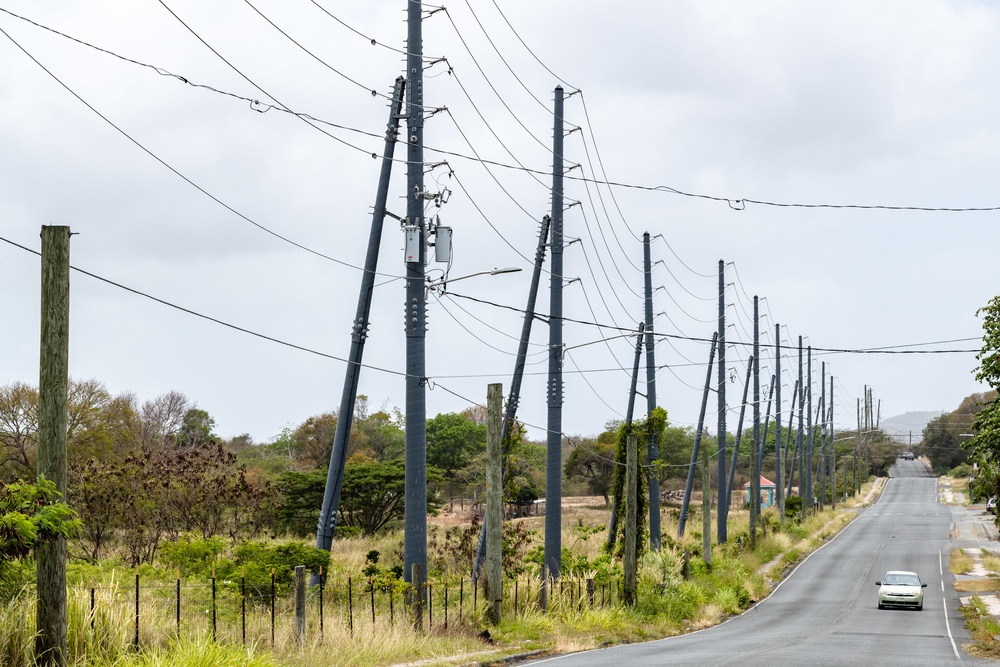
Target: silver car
x,y
899,588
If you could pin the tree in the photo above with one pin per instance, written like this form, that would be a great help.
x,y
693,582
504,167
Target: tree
x,y
195,429
29,515
301,499
985,444
594,462
452,441
373,494
18,425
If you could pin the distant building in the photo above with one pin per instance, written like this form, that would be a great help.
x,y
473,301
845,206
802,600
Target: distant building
x,y
766,492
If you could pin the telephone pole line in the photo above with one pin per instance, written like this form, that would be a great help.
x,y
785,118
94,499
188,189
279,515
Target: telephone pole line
x,y
653,444
723,508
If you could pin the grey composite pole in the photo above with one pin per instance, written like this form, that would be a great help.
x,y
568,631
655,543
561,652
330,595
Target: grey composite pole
x,y
415,476
739,430
758,445
53,417
653,443
510,412
800,436
833,456
778,488
554,396
808,477
494,504
723,508
616,504
359,332
682,520
821,466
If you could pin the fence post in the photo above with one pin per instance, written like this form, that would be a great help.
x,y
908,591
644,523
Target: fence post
x,y
430,605
321,601
136,641
300,604
272,607
92,612
590,592
461,597
214,637
350,605
371,587
178,603
243,604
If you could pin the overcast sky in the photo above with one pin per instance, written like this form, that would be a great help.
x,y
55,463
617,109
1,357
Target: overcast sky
x,y
182,191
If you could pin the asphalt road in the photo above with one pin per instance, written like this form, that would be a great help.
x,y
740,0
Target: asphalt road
x,y
825,612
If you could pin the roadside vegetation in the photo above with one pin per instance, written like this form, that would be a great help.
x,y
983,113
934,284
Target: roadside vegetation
x,y
155,495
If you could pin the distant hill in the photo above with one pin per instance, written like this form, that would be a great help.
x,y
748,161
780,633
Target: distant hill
x,y
900,427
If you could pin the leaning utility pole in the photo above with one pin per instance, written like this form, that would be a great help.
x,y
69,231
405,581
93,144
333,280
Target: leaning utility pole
x,y
631,515
415,476
653,444
359,332
723,508
685,504
53,417
629,500
554,396
514,398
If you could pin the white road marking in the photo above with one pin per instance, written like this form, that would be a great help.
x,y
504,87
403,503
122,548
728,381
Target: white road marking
x,y
944,605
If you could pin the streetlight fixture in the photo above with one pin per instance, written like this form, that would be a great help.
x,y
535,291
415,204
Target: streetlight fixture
x,y
443,282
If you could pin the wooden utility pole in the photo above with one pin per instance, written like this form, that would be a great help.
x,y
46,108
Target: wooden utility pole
x,y
53,391
494,503
631,515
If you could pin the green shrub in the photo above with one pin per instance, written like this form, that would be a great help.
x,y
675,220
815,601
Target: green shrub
x,y
793,507
194,556
962,470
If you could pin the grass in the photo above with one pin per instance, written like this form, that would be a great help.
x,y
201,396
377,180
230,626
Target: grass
x,y
991,561
960,562
984,629
990,585
667,605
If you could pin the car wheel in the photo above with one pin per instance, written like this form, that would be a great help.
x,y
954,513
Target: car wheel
x,y
920,607
881,606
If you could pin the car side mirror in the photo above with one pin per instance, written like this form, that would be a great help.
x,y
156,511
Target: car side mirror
x,y
878,583
923,585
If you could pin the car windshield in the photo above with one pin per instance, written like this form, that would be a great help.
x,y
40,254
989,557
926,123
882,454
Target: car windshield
x,y
901,580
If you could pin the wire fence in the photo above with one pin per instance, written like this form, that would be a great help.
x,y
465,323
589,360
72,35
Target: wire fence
x,y
255,612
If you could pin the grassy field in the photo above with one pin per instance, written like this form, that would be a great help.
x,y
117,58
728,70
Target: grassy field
x,y
102,602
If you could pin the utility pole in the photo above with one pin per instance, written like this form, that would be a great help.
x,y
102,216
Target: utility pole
x,y
723,508
616,503
553,454
494,504
821,472
631,515
755,463
513,399
799,441
686,503
739,430
833,454
778,488
808,477
415,476
53,417
653,444
359,332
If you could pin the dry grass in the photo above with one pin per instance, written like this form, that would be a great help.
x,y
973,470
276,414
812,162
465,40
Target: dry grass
x,y
960,562
991,562
990,585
